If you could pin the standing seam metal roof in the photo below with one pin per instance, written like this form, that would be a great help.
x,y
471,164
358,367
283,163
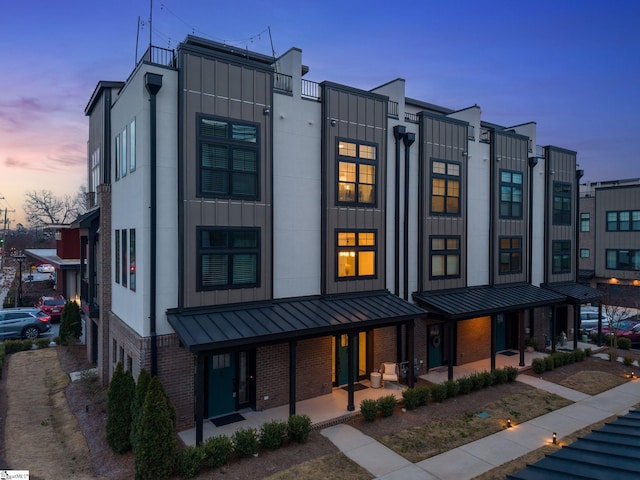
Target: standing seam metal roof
x,y
575,291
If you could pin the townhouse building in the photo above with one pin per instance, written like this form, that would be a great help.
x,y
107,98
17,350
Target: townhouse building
x,y
262,238
609,239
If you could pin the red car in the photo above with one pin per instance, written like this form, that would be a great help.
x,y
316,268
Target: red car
x,y
52,306
627,328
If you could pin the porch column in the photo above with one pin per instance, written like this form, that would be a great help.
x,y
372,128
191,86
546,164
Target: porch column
x,y
410,340
199,396
493,341
350,373
521,315
576,324
451,341
553,329
293,345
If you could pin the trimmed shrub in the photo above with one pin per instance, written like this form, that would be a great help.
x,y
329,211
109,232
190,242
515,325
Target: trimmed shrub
x,y
488,378
539,365
466,385
217,451
548,362
272,434
156,446
190,461
423,394
70,323
568,358
245,442
410,399
42,342
511,374
627,361
624,343
588,352
557,359
477,381
386,405
369,409
138,402
499,376
439,392
120,399
13,346
452,388
578,355
299,428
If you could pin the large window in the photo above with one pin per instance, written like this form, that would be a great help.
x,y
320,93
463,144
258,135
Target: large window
x,y
117,256
357,173
125,273
623,259
510,194
118,154
445,257
356,254
445,187
585,222
228,258
132,259
561,203
561,261
623,221
94,175
229,158
132,145
510,255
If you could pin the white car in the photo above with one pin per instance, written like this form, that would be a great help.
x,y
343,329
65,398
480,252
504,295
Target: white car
x,y
45,268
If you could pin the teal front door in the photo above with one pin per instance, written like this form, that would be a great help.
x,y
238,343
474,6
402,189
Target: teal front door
x,y
501,333
342,356
434,348
221,390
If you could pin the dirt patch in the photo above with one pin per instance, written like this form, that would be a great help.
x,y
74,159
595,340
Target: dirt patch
x,y
593,382
337,466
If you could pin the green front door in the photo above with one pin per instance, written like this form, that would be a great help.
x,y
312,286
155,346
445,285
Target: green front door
x,y
501,333
435,346
221,390
342,356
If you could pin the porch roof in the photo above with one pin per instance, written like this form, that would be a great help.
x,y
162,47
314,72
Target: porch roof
x,y
274,321
471,302
576,291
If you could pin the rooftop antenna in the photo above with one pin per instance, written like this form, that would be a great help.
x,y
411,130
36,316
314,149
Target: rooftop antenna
x,y
150,23
137,38
273,52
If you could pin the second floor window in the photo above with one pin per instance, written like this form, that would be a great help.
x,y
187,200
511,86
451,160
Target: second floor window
x,y
228,258
561,261
623,259
623,221
445,187
445,257
357,164
510,255
132,259
585,222
510,194
585,253
229,159
561,203
356,254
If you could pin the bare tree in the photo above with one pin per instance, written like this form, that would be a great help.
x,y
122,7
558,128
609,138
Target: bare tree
x,y
615,311
44,208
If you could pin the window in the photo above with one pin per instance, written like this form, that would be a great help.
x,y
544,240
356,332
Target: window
x,y
114,349
585,222
510,255
94,175
132,145
118,155
623,260
445,257
228,159
117,256
585,253
356,173
124,257
623,221
356,254
228,258
123,157
510,194
132,259
445,187
561,262
561,203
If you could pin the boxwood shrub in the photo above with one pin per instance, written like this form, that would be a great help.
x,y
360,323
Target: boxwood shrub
x,y
466,385
386,405
272,434
245,442
369,409
410,399
217,450
452,388
439,392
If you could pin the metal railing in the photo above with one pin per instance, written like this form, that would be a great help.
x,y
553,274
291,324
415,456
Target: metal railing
x,y
411,117
310,90
485,135
283,82
160,56
393,109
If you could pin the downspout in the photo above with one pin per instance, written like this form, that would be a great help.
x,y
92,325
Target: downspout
x,y
399,132
533,161
153,82
492,207
576,306
408,140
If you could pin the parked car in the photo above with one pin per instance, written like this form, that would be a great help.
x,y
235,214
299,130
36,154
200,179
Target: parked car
x,y
45,268
23,322
589,319
52,306
632,334
620,326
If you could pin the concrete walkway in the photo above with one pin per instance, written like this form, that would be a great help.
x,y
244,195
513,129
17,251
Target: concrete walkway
x,y
476,458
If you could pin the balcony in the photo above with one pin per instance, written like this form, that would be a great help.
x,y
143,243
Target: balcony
x,y
160,56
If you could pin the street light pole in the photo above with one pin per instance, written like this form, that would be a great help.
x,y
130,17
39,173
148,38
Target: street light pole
x,y
20,259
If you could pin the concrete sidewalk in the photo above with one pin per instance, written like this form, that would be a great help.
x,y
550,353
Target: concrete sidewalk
x,y
476,458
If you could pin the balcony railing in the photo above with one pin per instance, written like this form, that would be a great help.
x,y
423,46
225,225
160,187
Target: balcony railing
x,y
283,82
411,117
160,56
485,135
393,109
310,90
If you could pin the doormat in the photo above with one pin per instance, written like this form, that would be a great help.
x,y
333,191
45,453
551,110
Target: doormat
x,y
227,419
356,387
508,353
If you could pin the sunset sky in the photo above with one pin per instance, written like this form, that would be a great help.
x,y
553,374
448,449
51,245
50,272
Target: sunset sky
x,y
570,66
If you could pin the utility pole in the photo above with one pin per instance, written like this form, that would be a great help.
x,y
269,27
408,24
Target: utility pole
x,y
3,243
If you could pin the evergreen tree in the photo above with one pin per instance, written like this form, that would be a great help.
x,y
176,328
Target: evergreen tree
x,y
121,393
70,323
138,402
156,446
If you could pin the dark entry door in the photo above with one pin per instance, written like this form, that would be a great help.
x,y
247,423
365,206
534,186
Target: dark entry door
x,y
342,347
435,346
501,333
221,385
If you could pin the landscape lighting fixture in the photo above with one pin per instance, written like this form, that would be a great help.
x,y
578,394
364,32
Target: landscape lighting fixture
x,y
508,423
555,438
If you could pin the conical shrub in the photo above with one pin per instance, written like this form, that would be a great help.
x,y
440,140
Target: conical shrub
x,y
121,393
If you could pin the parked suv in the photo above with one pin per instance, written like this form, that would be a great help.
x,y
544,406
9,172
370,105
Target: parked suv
x,y
589,319
52,306
23,322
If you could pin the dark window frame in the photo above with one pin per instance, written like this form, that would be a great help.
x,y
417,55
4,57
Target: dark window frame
x,y
445,253
619,265
512,253
617,225
562,198
357,249
132,259
512,187
561,257
230,144
358,161
125,269
585,221
117,255
448,179
230,252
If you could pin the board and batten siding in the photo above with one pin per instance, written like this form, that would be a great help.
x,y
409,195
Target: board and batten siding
x,y
230,89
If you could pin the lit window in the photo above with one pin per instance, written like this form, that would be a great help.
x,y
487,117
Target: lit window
x,y
356,254
445,188
356,173
445,257
510,255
